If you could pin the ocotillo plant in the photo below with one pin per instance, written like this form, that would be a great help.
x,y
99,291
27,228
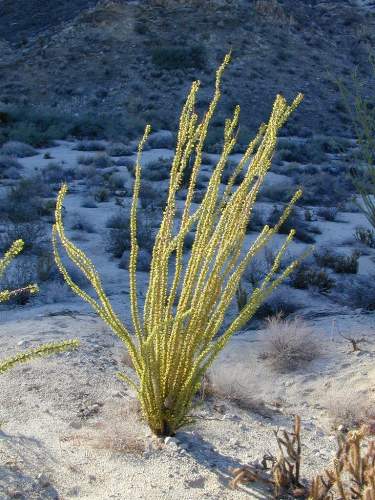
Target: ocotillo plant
x,y
172,349
362,115
5,295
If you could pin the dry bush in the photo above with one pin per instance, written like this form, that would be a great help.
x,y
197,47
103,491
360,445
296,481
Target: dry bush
x,y
288,344
351,476
350,408
238,386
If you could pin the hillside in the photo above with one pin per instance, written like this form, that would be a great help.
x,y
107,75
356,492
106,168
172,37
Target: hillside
x,y
120,64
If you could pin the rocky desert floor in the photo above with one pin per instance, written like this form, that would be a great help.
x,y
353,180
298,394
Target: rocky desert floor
x,y
70,428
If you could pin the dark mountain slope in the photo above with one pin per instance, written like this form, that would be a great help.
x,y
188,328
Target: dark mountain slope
x,y
135,61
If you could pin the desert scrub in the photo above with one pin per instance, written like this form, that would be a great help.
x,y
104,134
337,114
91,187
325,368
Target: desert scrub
x,y
288,344
172,349
5,295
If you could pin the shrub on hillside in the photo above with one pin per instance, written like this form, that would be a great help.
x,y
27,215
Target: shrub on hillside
x,y
306,277
328,213
365,236
22,202
89,146
6,163
157,170
294,221
118,236
33,235
18,149
338,263
172,57
119,149
357,292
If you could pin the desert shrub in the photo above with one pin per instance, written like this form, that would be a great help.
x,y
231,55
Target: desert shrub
x,y
22,295
189,240
7,162
89,146
33,235
37,127
118,236
55,292
309,151
119,149
295,221
255,272
54,173
116,181
143,260
171,354
214,140
358,292
79,223
324,188
102,161
279,192
172,57
17,149
339,263
85,160
328,213
20,273
288,344
93,178
45,266
101,195
166,140
256,221
349,408
278,304
22,202
365,236
158,170
308,277
151,196
361,110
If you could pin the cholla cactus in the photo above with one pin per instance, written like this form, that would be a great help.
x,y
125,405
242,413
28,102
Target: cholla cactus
x,y
5,295
172,350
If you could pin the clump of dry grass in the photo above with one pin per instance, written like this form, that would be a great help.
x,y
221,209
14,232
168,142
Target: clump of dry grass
x,y
288,344
350,408
226,385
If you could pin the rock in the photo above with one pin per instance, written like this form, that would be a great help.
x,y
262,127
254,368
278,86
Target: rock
x,y
171,443
43,480
196,483
230,416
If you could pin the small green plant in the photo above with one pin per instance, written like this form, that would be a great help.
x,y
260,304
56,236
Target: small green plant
x,y
5,295
172,349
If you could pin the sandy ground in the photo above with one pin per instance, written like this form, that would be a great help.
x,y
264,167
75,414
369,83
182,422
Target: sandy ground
x,y
71,429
